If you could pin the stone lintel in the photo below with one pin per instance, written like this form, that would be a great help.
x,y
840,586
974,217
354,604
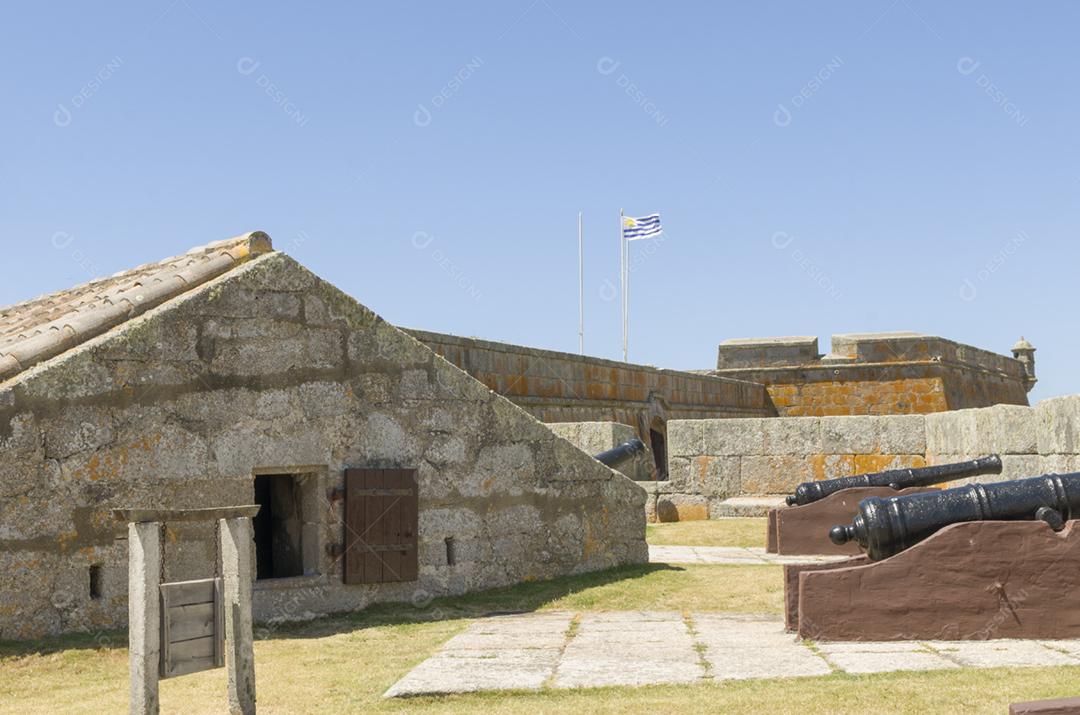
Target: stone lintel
x,y
171,515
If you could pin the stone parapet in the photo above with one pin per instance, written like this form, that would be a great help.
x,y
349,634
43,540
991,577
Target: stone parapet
x,y
563,387
716,460
875,374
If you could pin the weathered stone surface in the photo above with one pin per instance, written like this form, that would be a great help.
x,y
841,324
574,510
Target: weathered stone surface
x,y
593,438
1007,429
680,474
503,652
653,647
1002,653
1015,466
1031,441
681,507
952,432
734,437
882,373
562,387
849,435
1059,425
728,555
268,369
325,399
685,438
859,662
717,476
792,436
773,474
738,648
1058,464
629,649
901,434
743,506
79,429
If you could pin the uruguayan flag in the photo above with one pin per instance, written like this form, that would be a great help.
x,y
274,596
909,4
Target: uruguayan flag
x,y
644,227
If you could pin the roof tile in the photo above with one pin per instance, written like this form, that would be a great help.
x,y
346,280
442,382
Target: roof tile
x,y
38,329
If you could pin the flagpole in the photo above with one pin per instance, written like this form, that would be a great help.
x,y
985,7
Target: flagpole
x,y
581,285
625,278
626,346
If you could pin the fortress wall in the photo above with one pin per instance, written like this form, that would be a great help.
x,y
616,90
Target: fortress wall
x,y
713,460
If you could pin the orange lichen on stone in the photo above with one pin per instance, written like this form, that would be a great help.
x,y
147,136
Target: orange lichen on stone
x,y
692,512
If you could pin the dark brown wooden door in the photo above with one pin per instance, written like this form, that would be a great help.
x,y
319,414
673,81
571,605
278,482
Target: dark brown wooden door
x,y
381,520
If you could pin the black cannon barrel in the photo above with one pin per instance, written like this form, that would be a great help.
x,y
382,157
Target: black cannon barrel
x,y
884,527
624,452
809,492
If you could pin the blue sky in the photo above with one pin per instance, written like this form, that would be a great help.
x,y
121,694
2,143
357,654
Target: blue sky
x,y
820,167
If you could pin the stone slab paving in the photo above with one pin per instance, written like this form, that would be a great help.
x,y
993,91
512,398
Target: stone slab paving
x,y
561,649
1002,653
629,648
740,647
728,555
515,652
870,657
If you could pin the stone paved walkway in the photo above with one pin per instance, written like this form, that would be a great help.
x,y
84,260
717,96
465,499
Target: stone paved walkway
x,y
561,649
728,555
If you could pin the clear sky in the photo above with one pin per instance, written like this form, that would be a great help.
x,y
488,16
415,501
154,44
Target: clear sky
x,y
820,167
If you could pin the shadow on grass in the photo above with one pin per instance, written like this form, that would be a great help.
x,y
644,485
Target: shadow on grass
x,y
521,597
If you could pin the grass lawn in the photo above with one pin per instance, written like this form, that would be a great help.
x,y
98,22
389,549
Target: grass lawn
x,y
718,532
345,663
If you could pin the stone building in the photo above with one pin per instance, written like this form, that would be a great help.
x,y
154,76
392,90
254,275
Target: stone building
x,y
878,374
233,375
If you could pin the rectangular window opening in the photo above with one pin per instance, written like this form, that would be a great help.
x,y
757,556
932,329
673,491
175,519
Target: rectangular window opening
x,y
451,557
95,581
279,526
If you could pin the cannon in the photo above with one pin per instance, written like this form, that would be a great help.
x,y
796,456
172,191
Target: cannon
x,y
884,527
616,456
809,492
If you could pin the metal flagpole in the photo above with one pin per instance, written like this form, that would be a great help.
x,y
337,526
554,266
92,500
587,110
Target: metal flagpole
x,y
581,285
626,340
624,278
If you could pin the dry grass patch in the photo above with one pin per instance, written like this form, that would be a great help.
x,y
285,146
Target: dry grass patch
x,y
345,663
308,670
738,531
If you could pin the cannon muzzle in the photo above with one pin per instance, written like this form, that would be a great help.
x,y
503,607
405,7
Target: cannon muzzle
x,y
809,492
616,456
884,527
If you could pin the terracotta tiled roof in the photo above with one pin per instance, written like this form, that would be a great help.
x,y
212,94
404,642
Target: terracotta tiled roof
x,y
38,329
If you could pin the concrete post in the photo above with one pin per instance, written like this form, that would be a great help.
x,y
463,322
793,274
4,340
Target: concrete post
x,y
144,615
236,547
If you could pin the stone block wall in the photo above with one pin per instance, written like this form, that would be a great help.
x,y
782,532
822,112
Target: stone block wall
x,y
875,374
713,460
595,437
1031,440
270,370
563,387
